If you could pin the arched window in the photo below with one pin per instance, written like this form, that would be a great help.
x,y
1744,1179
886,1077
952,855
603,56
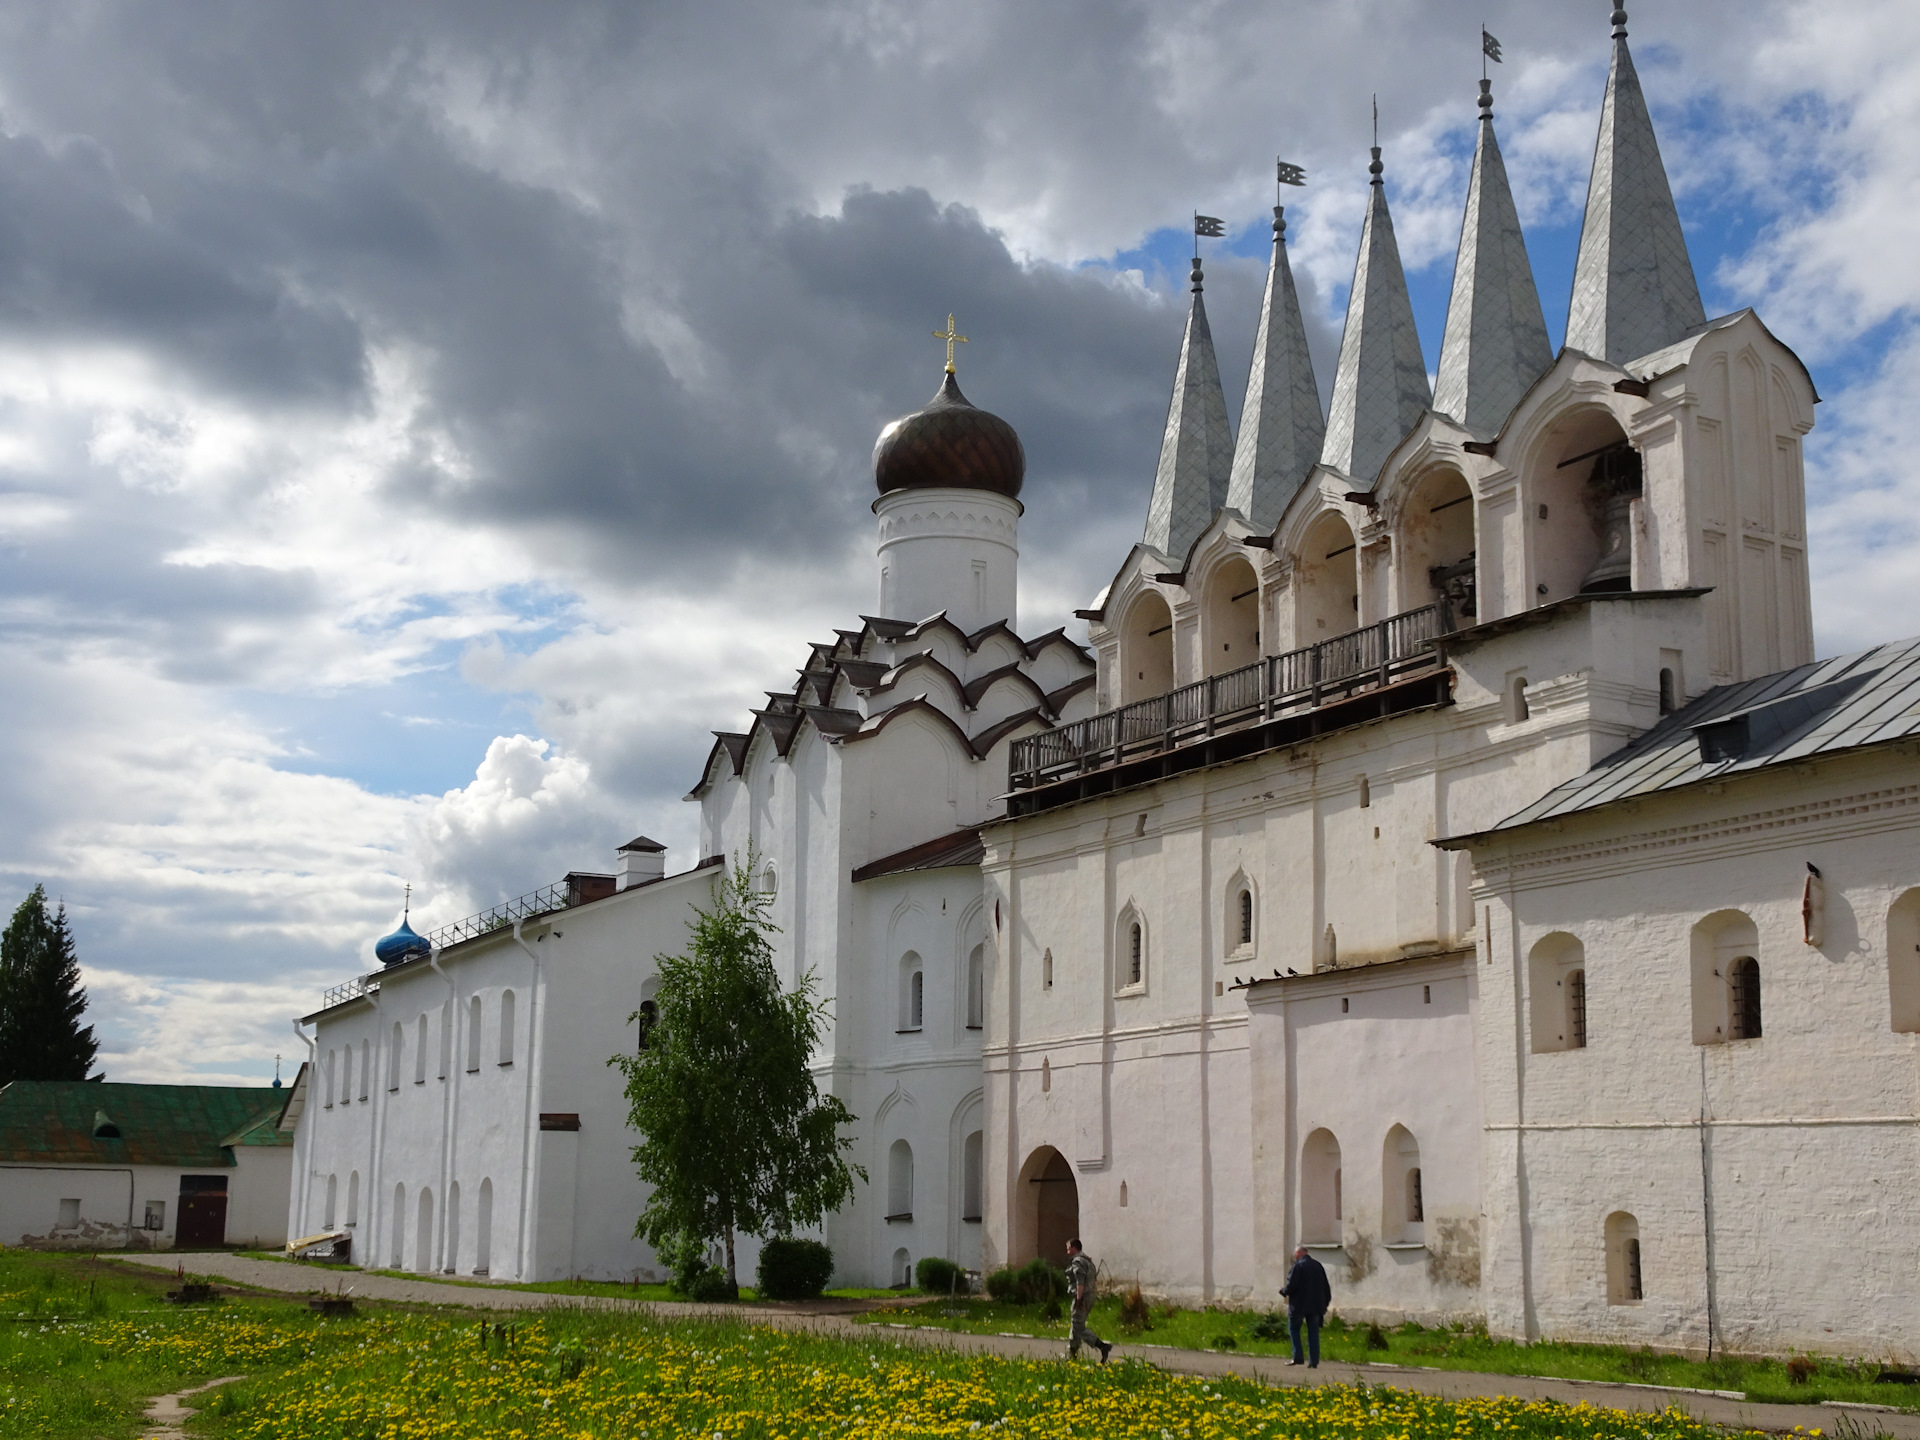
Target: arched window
x,y
900,1181
1123,1194
1243,916
420,1050
1669,698
353,1198
393,1057
1518,709
397,1223
1046,969
1402,1206
1580,483
1903,962
446,1037
912,993
649,1017
1046,1076
977,988
506,1027
902,1270
326,1081
1231,633
1557,998
366,1068
475,1014
483,1230
1743,998
1625,1285
333,1187
1726,979
972,1181
423,1234
1133,951
769,881
1320,1213
1146,649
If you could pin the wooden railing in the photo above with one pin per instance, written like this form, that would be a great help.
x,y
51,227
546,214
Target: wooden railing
x,y
1360,660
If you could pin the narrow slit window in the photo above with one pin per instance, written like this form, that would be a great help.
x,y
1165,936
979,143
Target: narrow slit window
x,y
506,1027
1577,1010
1246,917
1136,952
1743,990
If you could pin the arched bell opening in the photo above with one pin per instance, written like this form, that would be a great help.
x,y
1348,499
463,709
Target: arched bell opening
x,y
1146,649
1584,483
1328,577
1046,1208
1434,542
1230,633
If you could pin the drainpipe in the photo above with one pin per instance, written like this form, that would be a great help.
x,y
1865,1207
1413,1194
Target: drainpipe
x,y
306,1164
382,1063
523,1242
449,1105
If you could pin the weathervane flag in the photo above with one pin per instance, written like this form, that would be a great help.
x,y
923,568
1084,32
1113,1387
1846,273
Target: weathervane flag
x,y
1209,226
1489,46
1291,174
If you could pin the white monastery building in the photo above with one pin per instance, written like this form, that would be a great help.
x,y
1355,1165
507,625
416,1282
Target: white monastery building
x,y
1445,852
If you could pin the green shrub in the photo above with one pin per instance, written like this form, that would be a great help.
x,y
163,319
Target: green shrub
x,y
1271,1326
1033,1283
939,1277
713,1287
688,1261
1051,1310
793,1269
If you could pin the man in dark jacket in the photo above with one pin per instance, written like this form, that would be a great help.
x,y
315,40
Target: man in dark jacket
x,y
1307,1294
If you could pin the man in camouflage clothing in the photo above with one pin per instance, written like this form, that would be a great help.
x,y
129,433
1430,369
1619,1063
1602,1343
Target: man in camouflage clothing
x,y
1080,1286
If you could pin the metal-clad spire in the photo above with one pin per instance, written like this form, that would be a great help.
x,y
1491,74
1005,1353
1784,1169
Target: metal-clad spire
x,y
1380,388
1496,340
1281,428
1197,452
1633,285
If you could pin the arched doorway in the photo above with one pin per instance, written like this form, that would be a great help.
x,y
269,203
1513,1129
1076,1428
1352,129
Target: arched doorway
x,y
1047,1207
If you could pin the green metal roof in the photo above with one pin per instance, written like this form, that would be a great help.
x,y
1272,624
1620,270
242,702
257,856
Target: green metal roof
x,y
69,1122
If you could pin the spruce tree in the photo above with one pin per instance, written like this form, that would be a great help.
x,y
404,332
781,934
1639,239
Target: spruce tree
x,y
41,999
734,1133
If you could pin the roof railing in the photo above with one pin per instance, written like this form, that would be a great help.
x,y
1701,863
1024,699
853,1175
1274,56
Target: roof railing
x,y
1365,659
560,896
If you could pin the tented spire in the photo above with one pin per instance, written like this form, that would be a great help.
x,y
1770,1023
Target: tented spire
x,y
1281,428
1197,452
1380,389
1633,285
1496,340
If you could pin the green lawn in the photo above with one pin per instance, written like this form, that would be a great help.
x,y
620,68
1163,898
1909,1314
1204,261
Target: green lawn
x,y
1449,1349
87,1346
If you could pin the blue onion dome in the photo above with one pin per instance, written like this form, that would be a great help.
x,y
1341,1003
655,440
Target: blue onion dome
x,y
401,946
951,444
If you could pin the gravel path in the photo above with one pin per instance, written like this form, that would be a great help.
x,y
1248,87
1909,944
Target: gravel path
x,y
1451,1384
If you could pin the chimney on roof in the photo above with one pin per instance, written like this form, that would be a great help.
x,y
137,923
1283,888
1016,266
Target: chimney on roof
x,y
641,860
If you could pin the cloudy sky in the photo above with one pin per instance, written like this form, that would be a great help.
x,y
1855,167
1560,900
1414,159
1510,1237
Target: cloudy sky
x,y
421,424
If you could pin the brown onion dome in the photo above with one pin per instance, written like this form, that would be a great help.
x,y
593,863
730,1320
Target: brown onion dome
x,y
950,444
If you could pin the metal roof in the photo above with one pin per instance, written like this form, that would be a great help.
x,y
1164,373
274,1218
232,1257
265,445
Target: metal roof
x,y
1830,706
1281,427
1196,453
1495,344
1380,383
60,1122
1633,284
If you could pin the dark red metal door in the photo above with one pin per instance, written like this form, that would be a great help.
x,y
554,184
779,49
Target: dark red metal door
x,y
201,1221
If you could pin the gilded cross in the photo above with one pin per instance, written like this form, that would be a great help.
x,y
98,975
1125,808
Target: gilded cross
x,y
949,335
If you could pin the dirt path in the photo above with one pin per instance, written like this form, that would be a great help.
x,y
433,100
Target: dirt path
x,y
166,1416
1449,1384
